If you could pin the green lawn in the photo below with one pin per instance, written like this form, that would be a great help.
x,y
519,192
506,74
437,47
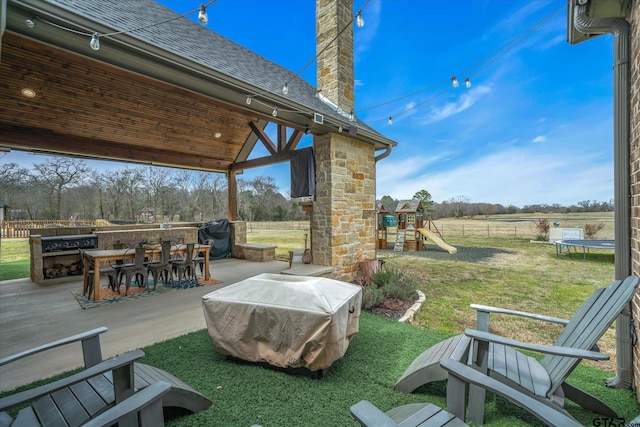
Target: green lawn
x,y
14,259
245,394
514,273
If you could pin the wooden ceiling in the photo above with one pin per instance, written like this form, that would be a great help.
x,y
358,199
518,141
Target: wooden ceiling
x,y
87,108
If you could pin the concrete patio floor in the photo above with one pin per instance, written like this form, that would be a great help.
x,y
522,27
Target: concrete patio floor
x,y
31,315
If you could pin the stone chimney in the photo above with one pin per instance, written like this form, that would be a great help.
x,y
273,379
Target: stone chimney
x,y
343,218
335,55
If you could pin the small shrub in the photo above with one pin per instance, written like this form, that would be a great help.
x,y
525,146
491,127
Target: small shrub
x,y
395,283
541,238
372,296
543,227
590,230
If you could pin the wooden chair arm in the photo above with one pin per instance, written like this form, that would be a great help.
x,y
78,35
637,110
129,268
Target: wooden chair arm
x,y
147,402
460,373
90,347
125,360
367,414
498,310
545,349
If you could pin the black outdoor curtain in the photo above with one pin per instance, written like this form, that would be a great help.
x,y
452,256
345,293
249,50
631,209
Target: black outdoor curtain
x,y
303,173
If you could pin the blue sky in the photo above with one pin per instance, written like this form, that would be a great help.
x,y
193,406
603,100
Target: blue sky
x,y
535,126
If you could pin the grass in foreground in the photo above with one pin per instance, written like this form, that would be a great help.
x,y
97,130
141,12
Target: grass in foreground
x,y
377,356
14,259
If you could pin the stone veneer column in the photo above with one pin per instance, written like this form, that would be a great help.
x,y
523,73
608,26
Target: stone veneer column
x,y
343,221
634,142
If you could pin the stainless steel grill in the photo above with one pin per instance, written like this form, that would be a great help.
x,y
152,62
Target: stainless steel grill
x,y
68,243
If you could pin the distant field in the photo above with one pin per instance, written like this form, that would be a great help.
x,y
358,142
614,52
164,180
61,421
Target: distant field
x,y
518,226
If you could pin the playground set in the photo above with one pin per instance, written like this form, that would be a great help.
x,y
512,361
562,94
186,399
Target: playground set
x,y
413,231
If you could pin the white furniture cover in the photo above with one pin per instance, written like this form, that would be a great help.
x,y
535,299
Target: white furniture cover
x,y
284,320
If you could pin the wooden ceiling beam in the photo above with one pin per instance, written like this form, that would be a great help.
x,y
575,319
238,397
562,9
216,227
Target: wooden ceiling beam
x,y
264,138
295,137
49,142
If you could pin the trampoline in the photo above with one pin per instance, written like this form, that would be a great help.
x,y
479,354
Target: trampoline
x,y
566,245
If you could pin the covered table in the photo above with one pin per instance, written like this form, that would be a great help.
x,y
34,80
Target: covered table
x,y
285,321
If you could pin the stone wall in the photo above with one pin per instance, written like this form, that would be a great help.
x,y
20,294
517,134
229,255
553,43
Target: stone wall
x,y
343,222
634,143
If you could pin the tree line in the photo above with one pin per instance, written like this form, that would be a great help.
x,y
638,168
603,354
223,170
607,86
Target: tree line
x,y
461,206
67,188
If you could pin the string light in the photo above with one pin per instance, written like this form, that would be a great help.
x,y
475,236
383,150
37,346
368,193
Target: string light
x,y
95,36
359,20
95,42
285,88
274,113
202,15
479,66
248,99
390,121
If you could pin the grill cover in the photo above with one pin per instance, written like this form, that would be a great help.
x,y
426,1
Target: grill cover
x,y
285,321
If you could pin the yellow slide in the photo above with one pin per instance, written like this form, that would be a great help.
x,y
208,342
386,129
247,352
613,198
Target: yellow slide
x,y
437,240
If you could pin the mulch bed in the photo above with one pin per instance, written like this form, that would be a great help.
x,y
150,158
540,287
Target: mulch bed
x,y
393,308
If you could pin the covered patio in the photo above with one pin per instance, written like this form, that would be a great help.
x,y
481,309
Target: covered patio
x,y
169,92
34,314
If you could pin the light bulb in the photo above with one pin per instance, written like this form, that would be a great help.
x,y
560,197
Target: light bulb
x,y
390,120
285,88
31,23
359,20
340,129
202,15
467,82
95,42
248,100
275,112
351,116
454,81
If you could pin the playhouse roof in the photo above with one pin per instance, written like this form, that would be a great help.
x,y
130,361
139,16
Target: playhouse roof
x,y
408,205
380,208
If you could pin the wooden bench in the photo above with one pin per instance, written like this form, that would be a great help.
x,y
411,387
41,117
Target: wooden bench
x,y
256,252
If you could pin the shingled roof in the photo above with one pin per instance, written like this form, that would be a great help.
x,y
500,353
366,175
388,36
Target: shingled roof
x,y
199,50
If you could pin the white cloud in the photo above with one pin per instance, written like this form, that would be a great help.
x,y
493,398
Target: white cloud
x,y
465,101
540,138
518,177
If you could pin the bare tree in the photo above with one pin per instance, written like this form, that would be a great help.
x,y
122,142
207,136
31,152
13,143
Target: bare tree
x,y
60,173
156,179
124,188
